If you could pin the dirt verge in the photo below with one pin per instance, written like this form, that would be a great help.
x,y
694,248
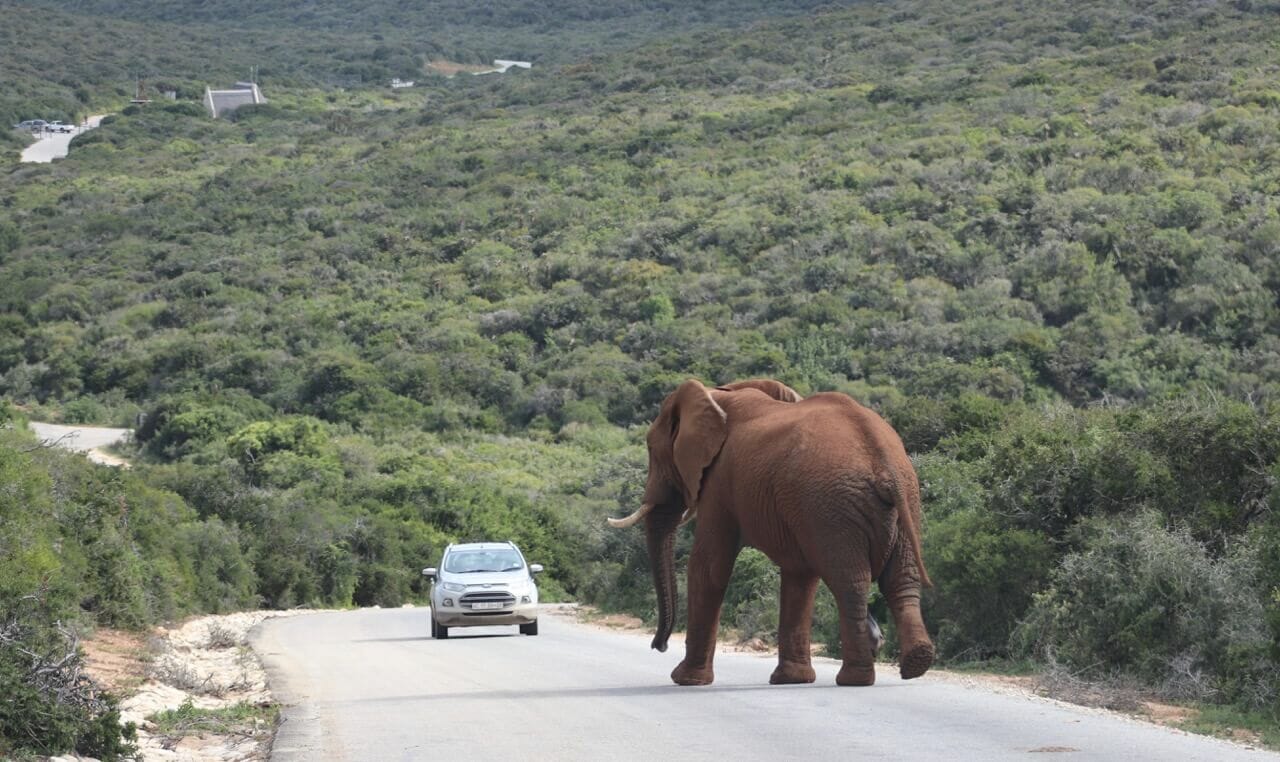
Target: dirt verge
x,y
204,663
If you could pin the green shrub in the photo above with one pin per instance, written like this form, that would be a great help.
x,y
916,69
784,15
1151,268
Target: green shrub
x,y
751,600
10,238
222,579
984,575
49,706
1142,599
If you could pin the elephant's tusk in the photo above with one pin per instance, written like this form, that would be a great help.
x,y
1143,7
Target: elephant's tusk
x,y
632,519
686,517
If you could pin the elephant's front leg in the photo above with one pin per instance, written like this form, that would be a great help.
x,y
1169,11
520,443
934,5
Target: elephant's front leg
x,y
710,565
795,619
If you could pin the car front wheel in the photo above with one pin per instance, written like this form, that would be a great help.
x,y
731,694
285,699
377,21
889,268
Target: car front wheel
x,y
530,628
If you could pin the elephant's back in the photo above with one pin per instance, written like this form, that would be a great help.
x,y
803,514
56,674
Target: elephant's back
x,y
838,430
795,443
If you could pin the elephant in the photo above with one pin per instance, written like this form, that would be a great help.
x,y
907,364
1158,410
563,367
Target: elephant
x,y
822,486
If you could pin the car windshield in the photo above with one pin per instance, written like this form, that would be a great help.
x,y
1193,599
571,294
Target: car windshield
x,y
464,561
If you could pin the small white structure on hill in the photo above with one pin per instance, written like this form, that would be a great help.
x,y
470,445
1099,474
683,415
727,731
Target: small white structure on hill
x,y
221,102
501,66
397,83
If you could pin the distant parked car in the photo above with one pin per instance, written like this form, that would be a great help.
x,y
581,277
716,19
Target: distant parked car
x,y
33,125
483,583
60,127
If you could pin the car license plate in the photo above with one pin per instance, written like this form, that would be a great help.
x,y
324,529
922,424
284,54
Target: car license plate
x,y
487,605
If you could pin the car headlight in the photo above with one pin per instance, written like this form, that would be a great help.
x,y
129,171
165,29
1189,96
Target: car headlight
x,y
453,587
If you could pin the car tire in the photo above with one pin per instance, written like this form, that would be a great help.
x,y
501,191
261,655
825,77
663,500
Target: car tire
x,y
439,631
434,628
530,628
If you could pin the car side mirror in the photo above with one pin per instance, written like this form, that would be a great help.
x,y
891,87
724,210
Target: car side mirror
x,y
430,571
535,568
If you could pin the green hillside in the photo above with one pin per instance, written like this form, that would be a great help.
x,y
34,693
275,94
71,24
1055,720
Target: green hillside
x,y
532,30
60,60
1044,243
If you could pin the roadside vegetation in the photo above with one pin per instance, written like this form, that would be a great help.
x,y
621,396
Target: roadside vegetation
x,y
360,324
242,719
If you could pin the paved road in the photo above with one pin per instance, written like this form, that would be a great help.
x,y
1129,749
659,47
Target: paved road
x,y
86,439
55,145
372,685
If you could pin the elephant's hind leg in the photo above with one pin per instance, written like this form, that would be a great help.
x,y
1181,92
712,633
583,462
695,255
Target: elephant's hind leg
x,y
850,588
795,618
901,587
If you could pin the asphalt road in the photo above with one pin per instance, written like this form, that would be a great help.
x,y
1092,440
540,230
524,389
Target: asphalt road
x,y
86,439
373,685
56,144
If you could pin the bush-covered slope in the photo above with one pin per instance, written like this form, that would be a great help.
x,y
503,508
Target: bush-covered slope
x,y
1043,241
1099,223
533,30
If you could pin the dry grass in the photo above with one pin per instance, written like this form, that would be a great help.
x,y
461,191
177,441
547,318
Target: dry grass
x,y
116,659
1119,694
220,636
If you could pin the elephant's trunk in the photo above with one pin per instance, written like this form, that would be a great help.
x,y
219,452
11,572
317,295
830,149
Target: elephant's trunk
x,y
661,534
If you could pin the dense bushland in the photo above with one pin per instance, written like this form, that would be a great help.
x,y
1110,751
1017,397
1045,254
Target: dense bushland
x,y
63,60
360,324
78,539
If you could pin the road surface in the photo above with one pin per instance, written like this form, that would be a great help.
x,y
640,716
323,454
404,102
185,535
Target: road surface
x,y
86,439
373,685
55,145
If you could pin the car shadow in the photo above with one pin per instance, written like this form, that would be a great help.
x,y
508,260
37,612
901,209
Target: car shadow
x,y
478,636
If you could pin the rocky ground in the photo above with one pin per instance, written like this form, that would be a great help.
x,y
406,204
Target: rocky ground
x,y
205,662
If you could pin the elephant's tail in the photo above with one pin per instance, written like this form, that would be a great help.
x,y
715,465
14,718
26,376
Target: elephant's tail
x,y
906,494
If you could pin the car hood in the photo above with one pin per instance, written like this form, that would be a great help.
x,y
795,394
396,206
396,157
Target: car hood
x,y
504,579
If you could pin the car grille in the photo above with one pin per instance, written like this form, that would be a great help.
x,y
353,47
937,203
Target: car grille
x,y
490,596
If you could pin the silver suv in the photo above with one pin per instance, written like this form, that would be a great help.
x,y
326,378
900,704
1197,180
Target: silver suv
x,y
480,584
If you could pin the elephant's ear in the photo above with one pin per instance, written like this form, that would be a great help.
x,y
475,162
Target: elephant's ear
x,y
700,426
776,389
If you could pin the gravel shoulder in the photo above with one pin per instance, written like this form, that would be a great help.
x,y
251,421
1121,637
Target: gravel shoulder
x,y
206,662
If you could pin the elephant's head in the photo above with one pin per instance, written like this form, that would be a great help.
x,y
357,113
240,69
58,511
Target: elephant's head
x,y
683,441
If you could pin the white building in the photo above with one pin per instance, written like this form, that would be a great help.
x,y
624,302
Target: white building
x,y
221,102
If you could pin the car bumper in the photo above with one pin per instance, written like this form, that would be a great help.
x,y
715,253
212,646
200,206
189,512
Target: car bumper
x,y
526,613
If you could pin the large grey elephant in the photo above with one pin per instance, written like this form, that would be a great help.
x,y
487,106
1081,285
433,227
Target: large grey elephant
x,y
822,486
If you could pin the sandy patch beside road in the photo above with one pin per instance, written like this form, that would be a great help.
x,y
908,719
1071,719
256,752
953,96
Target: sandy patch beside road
x,y
205,661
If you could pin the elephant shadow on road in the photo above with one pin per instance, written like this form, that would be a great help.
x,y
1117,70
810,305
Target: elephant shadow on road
x,y
615,691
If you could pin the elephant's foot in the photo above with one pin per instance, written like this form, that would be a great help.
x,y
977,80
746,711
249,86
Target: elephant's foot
x,y
789,672
916,660
851,675
685,675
